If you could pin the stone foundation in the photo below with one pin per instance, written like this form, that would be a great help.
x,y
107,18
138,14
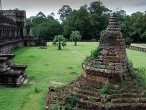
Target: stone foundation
x,y
10,46
11,74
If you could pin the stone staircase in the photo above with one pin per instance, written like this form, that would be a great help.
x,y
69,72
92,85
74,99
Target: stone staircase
x,y
86,95
130,97
89,95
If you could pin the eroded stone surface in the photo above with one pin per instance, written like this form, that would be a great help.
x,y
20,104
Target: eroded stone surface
x,y
112,60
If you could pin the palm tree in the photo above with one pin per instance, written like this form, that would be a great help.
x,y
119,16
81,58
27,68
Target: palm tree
x,y
59,41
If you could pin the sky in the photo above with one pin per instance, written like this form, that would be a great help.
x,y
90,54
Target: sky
x,y
32,7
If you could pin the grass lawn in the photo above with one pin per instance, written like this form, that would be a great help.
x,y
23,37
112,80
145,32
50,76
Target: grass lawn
x,y
50,67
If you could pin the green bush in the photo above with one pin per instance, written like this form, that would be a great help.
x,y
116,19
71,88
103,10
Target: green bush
x,y
72,102
93,40
106,88
138,76
95,53
37,90
128,41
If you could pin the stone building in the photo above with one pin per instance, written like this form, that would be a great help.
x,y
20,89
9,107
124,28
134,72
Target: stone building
x,y
14,32
13,23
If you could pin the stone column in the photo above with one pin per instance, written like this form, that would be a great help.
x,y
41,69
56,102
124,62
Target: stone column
x,y
24,31
30,32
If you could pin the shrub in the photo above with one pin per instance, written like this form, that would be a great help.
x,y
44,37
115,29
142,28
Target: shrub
x,y
138,75
37,90
128,41
95,53
72,102
93,40
106,88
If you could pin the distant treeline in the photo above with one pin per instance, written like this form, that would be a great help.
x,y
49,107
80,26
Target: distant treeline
x,y
89,21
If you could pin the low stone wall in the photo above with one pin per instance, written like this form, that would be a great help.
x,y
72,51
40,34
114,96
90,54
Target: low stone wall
x,y
136,48
10,46
30,42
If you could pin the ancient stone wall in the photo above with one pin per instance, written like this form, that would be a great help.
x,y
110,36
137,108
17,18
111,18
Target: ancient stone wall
x,y
136,48
9,47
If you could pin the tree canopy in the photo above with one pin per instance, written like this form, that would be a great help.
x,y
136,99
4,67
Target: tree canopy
x,y
90,21
64,12
75,36
47,30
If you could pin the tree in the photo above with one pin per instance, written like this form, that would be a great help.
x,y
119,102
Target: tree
x,y
47,30
41,14
143,36
50,17
78,20
89,24
64,12
97,8
59,41
138,26
75,36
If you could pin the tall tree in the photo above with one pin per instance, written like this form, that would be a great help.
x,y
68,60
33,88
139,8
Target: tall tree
x,y
138,26
50,17
97,8
64,12
75,36
78,20
41,14
47,30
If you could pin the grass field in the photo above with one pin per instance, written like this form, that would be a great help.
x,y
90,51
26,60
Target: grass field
x,y
50,67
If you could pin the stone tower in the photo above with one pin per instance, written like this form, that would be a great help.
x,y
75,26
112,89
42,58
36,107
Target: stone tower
x,y
111,63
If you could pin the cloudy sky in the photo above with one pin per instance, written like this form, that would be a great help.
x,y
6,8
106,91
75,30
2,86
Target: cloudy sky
x,y
32,7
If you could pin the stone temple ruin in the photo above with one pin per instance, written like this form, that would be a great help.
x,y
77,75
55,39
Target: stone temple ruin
x,y
106,83
111,64
14,33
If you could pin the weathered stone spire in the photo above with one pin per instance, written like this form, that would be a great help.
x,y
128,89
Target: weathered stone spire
x,y
111,63
113,24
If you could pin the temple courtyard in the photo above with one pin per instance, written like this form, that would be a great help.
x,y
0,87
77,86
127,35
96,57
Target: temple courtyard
x,y
51,67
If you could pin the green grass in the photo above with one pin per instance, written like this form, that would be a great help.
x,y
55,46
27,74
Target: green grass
x,y
50,67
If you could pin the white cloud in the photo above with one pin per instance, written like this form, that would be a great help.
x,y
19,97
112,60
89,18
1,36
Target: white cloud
x,y
32,7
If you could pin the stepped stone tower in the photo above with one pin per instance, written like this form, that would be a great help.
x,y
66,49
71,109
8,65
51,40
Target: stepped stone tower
x,y
111,63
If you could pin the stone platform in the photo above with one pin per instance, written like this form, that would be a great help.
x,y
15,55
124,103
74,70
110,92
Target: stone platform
x,y
11,74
